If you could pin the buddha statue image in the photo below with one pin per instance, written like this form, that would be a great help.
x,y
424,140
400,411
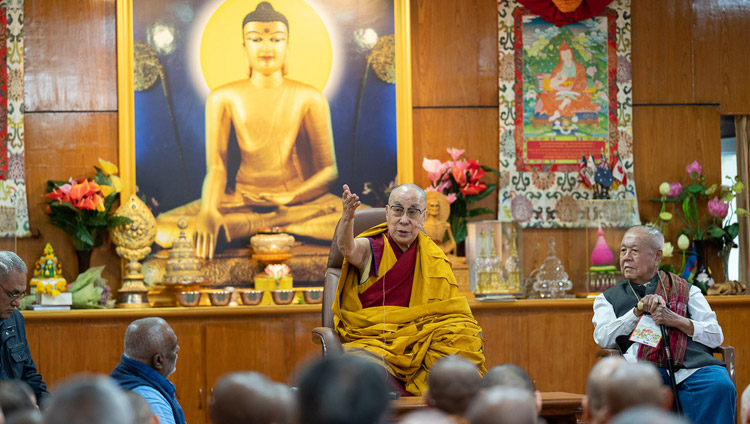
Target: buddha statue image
x,y
436,225
287,156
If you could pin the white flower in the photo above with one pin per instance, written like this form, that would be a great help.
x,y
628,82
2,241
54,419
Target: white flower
x,y
664,188
683,242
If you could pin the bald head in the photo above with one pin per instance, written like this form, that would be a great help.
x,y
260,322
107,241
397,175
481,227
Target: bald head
x,y
509,375
502,405
249,398
636,384
453,383
88,400
745,406
152,342
409,188
596,402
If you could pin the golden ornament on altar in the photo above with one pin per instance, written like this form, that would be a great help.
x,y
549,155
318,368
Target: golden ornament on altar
x,y
133,243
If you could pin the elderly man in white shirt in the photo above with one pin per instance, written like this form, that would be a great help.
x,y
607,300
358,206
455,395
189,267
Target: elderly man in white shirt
x,y
706,392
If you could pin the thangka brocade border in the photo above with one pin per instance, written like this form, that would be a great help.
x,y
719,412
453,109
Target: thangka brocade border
x,y
551,196
13,200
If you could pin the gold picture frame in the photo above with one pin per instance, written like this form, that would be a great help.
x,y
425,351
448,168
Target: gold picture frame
x,y
125,91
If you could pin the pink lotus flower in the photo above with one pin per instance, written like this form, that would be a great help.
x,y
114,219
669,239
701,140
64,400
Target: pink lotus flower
x,y
674,189
718,208
434,169
694,167
277,270
455,153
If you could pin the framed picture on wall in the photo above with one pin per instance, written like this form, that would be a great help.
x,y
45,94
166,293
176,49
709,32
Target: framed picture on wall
x,y
241,115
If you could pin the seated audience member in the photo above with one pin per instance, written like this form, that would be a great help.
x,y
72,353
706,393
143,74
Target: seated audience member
x,y
428,416
342,389
595,408
706,392
251,398
502,405
16,396
31,416
745,406
15,358
452,384
511,375
420,306
634,385
88,400
150,358
142,412
648,415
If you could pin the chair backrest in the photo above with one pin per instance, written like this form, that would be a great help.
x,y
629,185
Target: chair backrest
x,y
363,219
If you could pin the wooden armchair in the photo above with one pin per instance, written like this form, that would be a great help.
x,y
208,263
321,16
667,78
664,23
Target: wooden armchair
x,y
326,335
725,353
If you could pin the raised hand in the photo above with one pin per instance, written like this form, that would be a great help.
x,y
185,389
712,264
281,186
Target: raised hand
x,y
350,202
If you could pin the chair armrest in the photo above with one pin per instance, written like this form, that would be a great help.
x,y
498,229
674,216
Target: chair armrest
x,y
727,355
326,337
601,353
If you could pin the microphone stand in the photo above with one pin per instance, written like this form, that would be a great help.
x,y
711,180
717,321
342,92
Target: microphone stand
x,y
670,369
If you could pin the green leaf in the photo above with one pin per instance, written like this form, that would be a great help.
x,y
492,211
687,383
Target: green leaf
x,y
695,189
733,230
116,220
686,209
716,232
485,193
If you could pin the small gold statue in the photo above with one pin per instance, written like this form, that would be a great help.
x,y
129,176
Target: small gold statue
x,y
436,226
133,243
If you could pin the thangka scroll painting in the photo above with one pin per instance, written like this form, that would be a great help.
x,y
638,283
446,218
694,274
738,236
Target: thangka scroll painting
x,y
14,211
566,137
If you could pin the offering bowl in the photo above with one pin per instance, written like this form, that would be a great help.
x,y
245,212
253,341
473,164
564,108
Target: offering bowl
x,y
251,297
189,298
282,297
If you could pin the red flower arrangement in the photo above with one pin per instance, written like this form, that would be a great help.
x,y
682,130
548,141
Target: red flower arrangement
x,y
459,180
81,207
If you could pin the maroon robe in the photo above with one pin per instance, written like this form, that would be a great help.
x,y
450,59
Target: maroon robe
x,y
399,278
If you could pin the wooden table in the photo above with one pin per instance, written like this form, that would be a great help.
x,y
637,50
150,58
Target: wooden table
x,y
557,407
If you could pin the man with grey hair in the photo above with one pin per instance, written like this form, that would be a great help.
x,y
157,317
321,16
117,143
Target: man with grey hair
x,y
705,390
395,277
150,358
88,400
511,375
15,357
595,408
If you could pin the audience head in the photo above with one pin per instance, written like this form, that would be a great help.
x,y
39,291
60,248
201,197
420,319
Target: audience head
x,y
16,396
250,397
152,342
502,405
32,416
341,389
142,413
595,403
511,375
453,383
745,406
428,416
636,384
88,400
647,415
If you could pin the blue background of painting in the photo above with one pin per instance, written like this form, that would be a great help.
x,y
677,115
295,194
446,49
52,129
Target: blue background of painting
x,y
167,183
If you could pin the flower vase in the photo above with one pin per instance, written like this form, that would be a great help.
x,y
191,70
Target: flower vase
x,y
726,250
702,276
84,260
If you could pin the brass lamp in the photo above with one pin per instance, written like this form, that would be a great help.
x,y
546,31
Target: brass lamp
x,y
133,243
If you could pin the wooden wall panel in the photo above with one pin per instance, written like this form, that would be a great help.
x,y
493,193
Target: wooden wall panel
x,y
60,146
190,376
720,35
661,52
473,129
70,56
454,52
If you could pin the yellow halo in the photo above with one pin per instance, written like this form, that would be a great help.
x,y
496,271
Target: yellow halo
x,y
221,53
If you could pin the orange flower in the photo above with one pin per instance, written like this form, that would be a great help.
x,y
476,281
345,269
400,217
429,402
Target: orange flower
x,y
85,203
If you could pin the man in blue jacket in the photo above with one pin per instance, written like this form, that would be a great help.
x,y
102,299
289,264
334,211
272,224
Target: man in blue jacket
x,y
15,358
150,358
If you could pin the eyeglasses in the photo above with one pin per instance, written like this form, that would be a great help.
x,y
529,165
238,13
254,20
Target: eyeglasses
x,y
398,211
11,296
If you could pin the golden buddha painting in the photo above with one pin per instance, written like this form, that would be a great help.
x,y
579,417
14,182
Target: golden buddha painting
x,y
251,114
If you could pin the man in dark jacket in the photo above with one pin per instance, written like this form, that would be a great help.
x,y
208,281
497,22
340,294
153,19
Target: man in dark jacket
x,y
15,358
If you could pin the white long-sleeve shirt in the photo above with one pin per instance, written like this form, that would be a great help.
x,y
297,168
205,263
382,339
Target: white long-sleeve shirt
x,y
607,327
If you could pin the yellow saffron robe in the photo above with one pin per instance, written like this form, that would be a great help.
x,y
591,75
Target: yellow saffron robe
x,y
408,340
